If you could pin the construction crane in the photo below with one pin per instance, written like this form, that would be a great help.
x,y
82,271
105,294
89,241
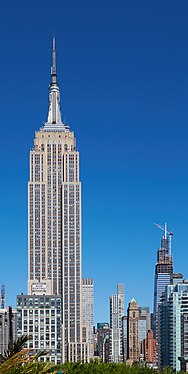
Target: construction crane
x,y
2,296
166,232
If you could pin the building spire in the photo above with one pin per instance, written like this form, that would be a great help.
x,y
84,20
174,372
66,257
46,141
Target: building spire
x,y
53,68
54,122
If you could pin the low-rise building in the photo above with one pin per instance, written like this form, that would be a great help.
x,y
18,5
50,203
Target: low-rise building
x,y
40,317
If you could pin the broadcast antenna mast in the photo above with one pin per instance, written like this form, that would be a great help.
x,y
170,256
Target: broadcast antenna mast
x,y
3,297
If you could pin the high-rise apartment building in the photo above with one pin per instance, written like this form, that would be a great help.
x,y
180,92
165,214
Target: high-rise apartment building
x,y
124,337
55,222
116,314
120,292
163,274
133,332
173,326
87,312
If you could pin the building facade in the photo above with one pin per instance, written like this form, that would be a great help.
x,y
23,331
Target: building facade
x,y
124,337
103,341
87,312
144,326
173,326
133,332
116,334
144,311
55,223
41,318
142,333
150,352
8,328
163,274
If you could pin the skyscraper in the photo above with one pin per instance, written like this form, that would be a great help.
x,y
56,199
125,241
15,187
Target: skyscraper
x,y
116,314
54,222
173,325
133,332
124,337
87,312
163,273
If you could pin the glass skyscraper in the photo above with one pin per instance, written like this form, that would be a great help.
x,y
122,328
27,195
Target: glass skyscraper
x,y
173,326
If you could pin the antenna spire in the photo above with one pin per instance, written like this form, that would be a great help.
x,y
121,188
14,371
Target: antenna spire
x,y
54,121
3,296
53,69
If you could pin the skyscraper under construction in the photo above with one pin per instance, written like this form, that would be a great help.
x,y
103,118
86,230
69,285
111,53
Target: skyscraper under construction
x,y
163,272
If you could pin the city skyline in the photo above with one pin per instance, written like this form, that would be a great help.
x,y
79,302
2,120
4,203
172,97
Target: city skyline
x,y
99,99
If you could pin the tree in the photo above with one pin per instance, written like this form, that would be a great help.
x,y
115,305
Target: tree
x,y
14,348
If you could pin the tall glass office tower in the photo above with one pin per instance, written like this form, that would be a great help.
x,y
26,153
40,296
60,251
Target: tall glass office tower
x,y
54,221
163,274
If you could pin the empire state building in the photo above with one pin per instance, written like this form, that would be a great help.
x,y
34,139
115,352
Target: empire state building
x,y
55,225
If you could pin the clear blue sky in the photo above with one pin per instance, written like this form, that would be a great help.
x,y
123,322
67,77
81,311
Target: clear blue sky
x,y
123,73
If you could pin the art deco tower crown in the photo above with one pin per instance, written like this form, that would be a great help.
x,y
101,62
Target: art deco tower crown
x,y
54,121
